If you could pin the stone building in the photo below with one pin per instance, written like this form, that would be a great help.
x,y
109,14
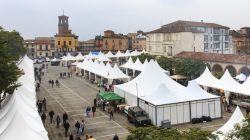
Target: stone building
x,y
137,40
86,46
29,44
45,46
65,41
241,40
114,42
179,36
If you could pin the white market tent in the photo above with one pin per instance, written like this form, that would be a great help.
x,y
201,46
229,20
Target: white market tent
x,y
19,118
98,68
236,118
68,57
110,54
103,58
79,56
177,112
119,54
128,64
127,53
207,79
135,53
137,65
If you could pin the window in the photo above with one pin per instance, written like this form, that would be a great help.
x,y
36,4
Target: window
x,y
217,45
27,45
64,43
226,45
169,50
40,53
69,42
206,38
71,49
47,54
40,47
58,42
211,38
194,37
206,46
226,37
46,47
216,37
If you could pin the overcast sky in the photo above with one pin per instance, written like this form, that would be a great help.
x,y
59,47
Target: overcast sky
x,y
87,18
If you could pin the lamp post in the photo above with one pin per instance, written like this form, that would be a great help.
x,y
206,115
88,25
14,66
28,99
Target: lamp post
x,y
137,94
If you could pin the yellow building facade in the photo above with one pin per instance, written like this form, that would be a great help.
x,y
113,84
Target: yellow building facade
x,y
65,41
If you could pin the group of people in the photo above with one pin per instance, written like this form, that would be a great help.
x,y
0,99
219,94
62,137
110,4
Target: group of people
x,y
52,82
64,74
41,105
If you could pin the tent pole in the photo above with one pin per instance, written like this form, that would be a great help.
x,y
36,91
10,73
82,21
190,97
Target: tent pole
x,y
137,94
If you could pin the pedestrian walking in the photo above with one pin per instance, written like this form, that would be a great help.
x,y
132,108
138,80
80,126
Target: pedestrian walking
x,y
52,83
82,126
103,105
57,83
66,128
65,117
51,115
111,114
43,116
115,137
58,121
95,102
44,103
40,106
68,75
88,109
93,110
49,83
71,136
77,125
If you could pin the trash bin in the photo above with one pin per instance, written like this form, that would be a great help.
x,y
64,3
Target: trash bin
x,y
166,124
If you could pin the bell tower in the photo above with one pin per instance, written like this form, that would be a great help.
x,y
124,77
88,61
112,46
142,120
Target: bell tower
x,y
63,25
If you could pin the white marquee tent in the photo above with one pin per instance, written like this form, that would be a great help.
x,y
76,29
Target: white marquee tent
x,y
68,57
236,118
19,118
79,56
176,106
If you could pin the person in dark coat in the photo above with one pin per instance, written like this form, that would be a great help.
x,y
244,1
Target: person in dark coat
x,y
111,114
43,116
58,120
49,82
51,115
65,117
115,137
40,106
88,109
57,83
44,103
95,102
103,106
77,125
66,128
52,83
93,110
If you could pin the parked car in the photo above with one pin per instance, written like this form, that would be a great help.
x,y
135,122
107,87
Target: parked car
x,y
138,116
47,59
242,103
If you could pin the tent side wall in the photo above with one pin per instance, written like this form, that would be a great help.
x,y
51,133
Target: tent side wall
x,y
208,107
177,113
130,99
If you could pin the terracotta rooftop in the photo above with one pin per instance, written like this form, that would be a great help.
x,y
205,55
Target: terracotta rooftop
x,y
185,26
214,57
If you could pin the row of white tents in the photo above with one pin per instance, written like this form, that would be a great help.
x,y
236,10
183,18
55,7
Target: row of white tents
x,y
138,65
102,70
19,118
101,56
226,82
165,99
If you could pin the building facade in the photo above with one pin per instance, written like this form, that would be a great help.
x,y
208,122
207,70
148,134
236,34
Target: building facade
x,y
241,40
30,45
86,46
137,40
114,42
65,41
45,46
179,36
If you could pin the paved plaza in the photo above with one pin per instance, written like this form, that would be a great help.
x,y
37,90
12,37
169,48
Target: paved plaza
x,y
75,94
